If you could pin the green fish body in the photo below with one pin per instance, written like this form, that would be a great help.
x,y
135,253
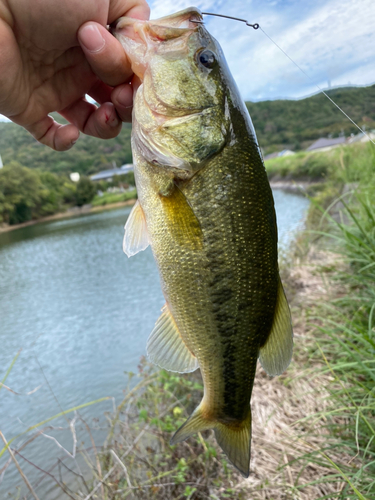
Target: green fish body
x,y
206,208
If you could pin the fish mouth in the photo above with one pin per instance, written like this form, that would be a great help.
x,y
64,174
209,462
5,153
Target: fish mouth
x,y
165,28
142,39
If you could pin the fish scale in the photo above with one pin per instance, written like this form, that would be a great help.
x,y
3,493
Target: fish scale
x,y
206,208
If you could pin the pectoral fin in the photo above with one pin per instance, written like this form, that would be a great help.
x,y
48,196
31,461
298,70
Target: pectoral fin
x,y
136,236
182,221
166,348
276,353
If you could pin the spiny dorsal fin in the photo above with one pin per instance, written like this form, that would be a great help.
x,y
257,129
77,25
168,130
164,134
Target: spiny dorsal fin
x,y
276,353
136,236
166,348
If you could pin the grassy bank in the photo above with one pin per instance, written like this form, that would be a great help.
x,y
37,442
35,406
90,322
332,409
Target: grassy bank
x,y
110,198
314,427
346,164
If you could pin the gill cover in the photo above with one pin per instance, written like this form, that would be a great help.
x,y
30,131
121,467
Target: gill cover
x,y
179,116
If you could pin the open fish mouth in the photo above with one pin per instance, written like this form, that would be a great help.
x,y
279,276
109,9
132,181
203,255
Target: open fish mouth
x,y
168,37
165,28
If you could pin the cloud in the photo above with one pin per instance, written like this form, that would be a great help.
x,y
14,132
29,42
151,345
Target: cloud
x,y
332,40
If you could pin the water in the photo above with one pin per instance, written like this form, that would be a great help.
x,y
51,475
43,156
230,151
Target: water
x,y
81,311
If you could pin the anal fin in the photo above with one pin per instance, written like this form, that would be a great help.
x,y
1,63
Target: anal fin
x,y
136,235
167,349
276,354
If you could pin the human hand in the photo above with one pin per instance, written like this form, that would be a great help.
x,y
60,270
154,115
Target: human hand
x,y
52,53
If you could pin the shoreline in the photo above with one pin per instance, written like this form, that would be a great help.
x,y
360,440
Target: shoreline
x,y
72,212
291,186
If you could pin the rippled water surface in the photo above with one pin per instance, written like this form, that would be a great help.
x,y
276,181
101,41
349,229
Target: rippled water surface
x,y
81,311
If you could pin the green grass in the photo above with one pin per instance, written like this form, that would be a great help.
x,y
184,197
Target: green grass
x,y
141,428
351,163
109,198
341,347
344,328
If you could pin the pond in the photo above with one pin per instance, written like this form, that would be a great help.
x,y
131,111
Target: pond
x,y
81,312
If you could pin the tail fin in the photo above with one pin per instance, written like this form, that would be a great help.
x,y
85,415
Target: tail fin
x,y
235,441
234,438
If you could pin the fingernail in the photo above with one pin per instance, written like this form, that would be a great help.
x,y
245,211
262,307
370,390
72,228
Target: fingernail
x,y
91,38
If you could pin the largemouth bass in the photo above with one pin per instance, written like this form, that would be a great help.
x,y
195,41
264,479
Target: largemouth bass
x,y
206,208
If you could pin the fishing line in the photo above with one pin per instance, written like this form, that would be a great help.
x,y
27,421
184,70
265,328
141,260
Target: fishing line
x,y
256,26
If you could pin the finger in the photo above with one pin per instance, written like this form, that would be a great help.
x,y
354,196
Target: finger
x,y
101,92
122,98
105,54
54,135
138,9
101,122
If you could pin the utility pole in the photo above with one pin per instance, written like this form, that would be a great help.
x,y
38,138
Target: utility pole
x,y
1,162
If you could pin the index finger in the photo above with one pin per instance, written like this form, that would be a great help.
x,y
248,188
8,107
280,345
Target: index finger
x,y
138,9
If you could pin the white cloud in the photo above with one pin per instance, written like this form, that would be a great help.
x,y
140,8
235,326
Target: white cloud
x,y
332,40
4,119
160,8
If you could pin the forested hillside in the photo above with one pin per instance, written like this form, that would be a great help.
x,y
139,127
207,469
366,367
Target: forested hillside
x,y
279,124
296,124
87,157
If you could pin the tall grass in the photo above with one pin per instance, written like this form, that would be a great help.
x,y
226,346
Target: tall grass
x,y
346,340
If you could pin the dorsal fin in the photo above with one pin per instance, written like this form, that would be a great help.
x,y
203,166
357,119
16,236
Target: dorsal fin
x,y
166,348
276,353
136,235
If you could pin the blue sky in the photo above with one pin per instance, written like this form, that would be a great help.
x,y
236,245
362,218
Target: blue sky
x,y
332,40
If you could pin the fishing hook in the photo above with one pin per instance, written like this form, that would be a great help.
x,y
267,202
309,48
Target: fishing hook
x,y
255,26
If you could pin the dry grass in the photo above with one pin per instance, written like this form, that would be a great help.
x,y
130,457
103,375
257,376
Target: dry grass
x,y
142,465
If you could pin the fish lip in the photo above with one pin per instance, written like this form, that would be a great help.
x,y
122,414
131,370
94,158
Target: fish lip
x,y
170,24
148,33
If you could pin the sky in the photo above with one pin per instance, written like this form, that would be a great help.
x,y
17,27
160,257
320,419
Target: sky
x,y
333,41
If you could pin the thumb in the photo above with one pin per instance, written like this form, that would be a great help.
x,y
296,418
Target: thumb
x,y
105,54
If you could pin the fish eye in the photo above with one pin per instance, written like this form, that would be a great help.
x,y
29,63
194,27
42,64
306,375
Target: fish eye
x,y
207,58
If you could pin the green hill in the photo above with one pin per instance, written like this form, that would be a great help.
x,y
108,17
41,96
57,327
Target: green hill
x,y
87,157
279,124
295,124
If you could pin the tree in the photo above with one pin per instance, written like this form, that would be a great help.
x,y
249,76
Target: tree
x,y
21,193
85,191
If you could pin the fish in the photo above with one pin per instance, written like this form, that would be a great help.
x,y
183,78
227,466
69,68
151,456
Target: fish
x,y
206,208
